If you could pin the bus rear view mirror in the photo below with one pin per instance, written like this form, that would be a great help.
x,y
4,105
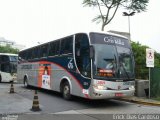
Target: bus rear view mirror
x,y
91,49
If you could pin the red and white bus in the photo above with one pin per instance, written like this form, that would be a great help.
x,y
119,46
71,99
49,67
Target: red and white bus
x,y
93,65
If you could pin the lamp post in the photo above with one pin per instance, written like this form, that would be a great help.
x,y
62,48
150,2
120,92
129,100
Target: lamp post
x,y
129,14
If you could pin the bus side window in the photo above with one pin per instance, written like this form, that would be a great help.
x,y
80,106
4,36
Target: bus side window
x,y
66,45
44,51
82,54
5,58
0,63
54,48
21,56
32,53
5,66
29,54
24,56
36,52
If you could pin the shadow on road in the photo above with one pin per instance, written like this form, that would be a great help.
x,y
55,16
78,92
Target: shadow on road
x,y
81,101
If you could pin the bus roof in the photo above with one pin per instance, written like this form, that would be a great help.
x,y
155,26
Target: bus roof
x,y
9,54
108,33
87,32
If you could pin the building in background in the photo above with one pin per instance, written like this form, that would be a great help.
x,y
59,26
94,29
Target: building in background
x,y
4,42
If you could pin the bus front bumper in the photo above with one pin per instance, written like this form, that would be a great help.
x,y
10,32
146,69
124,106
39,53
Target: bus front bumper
x,y
106,94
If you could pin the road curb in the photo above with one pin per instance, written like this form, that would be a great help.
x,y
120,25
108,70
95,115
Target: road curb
x,y
141,101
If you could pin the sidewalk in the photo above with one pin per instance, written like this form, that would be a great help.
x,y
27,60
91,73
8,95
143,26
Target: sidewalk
x,y
139,100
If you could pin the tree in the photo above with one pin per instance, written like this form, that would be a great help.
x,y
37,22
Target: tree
x,y
139,52
108,8
8,49
157,59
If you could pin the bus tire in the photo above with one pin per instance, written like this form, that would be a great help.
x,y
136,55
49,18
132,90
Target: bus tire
x,y
25,82
66,91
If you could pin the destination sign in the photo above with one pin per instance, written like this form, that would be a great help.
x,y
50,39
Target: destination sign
x,y
112,39
99,38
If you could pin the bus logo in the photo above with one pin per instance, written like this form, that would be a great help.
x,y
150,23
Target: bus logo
x,y
70,64
109,40
112,40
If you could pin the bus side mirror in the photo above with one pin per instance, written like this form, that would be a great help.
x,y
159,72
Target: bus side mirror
x,y
91,51
19,59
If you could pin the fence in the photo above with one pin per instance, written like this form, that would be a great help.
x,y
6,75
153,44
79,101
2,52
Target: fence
x,y
155,82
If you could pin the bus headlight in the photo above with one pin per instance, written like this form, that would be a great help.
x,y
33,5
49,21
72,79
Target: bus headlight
x,y
131,88
99,87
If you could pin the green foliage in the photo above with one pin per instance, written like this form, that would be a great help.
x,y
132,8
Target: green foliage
x,y
157,59
157,98
8,49
108,8
139,52
137,5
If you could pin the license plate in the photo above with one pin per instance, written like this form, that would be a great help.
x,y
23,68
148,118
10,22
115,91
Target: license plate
x,y
118,94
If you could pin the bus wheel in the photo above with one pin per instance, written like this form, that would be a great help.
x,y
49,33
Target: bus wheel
x,y
66,91
25,82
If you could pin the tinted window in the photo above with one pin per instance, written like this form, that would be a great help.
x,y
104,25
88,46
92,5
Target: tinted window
x,y
36,52
5,66
44,51
66,45
126,62
4,58
82,54
32,53
29,54
105,62
13,58
54,48
23,55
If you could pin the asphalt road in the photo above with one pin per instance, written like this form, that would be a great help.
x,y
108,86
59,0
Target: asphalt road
x,y
53,103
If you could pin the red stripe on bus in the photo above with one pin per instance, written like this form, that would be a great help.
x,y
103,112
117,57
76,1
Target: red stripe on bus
x,y
74,78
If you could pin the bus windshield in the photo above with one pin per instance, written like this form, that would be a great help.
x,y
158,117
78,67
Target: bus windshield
x,y
105,64
13,67
125,63
113,58
8,63
13,58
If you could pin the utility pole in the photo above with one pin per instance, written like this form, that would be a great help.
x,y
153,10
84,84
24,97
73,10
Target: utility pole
x,y
129,14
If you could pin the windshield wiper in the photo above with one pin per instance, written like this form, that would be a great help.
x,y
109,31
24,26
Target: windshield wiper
x,y
125,70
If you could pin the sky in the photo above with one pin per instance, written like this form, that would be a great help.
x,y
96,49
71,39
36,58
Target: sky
x,y
29,22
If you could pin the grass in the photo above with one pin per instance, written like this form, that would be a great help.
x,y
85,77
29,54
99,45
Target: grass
x,y
157,98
